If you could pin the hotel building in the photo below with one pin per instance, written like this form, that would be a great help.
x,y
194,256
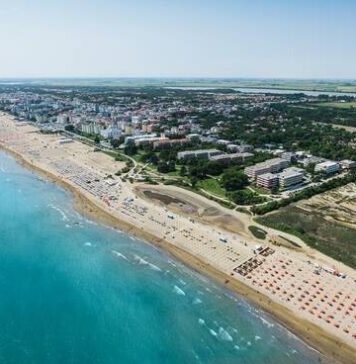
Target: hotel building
x,y
267,180
269,166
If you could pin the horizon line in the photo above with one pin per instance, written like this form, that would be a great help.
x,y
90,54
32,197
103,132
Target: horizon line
x,y
279,78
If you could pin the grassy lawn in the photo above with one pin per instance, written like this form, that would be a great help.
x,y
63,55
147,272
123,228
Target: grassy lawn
x,y
212,185
260,190
137,156
330,238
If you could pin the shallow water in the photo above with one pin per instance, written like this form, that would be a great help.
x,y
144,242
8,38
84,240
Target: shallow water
x,y
73,291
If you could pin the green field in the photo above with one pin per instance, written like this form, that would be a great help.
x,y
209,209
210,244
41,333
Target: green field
x,y
338,105
333,239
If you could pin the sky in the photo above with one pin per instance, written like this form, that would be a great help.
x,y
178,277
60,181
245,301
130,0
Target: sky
x,y
178,38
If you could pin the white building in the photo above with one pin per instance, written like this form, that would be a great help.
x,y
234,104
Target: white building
x,y
65,141
269,166
243,148
111,132
144,140
348,164
223,142
327,167
201,153
290,177
289,156
267,180
90,128
232,147
62,118
225,158
132,138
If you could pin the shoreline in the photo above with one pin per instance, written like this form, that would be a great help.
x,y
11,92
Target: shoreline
x,y
316,337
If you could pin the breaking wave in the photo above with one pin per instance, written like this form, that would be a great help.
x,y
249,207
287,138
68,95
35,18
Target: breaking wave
x,y
179,291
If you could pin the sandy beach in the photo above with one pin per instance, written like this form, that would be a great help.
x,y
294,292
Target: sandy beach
x,y
297,289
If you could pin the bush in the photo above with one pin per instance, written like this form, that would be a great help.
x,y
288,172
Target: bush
x,y
119,158
246,197
69,127
257,232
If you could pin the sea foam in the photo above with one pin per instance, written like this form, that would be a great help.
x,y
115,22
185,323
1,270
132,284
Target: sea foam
x,y
224,335
201,321
142,261
179,291
118,254
62,213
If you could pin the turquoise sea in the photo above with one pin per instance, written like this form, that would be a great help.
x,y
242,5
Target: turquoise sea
x,y
73,291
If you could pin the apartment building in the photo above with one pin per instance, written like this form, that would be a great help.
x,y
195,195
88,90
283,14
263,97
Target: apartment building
x,y
201,153
133,138
166,143
327,167
226,158
144,140
90,128
290,177
267,180
269,166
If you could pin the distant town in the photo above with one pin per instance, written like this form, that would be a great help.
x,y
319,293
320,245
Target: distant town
x,y
257,151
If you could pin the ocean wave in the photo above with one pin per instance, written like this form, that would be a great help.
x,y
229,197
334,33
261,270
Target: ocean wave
x,y
197,301
88,243
88,221
224,335
62,213
142,261
118,254
231,296
265,322
170,262
179,291
212,332
201,321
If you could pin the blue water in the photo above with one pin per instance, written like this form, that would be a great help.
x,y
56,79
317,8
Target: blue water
x,y
73,291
